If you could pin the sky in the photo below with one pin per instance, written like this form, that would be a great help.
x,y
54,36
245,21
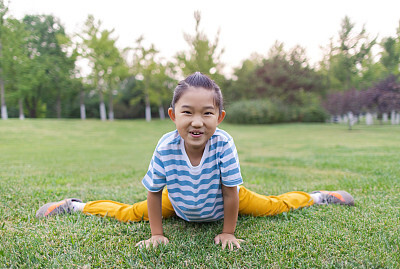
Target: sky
x,y
245,26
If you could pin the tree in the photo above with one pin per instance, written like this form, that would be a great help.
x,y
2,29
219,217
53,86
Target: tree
x,y
105,60
155,77
50,67
240,86
390,56
286,76
203,55
3,12
344,60
16,62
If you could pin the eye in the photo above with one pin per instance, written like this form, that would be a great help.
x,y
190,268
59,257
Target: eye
x,y
209,113
186,112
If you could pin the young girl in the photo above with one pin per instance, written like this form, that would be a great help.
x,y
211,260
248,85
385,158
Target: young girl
x,y
199,166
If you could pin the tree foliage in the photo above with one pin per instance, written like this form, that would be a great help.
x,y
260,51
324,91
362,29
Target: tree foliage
x,y
285,76
40,75
50,67
105,59
203,55
345,61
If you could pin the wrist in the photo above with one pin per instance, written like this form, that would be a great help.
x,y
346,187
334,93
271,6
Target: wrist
x,y
157,234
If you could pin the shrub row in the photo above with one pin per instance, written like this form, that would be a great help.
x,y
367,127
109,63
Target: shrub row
x,y
273,111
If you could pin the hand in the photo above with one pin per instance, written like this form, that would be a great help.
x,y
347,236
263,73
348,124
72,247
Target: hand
x,y
155,240
228,239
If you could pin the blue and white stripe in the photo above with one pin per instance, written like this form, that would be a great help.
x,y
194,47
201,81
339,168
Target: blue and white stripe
x,y
195,192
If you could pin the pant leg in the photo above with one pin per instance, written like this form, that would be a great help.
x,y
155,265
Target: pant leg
x,y
125,212
251,203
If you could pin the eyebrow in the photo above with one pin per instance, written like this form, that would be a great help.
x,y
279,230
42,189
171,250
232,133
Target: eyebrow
x,y
206,107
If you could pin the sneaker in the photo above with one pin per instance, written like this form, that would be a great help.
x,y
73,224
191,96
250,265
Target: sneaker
x,y
334,197
61,207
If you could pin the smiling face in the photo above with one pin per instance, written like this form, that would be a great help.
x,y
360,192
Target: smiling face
x,y
196,117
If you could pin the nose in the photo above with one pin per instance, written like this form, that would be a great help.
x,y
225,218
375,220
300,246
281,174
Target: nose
x,y
197,122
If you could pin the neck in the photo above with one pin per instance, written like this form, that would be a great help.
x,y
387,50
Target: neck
x,y
194,155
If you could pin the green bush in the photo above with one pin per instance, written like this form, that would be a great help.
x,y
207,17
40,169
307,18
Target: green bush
x,y
272,111
257,112
313,113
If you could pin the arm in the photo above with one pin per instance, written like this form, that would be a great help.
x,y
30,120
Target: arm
x,y
154,200
231,208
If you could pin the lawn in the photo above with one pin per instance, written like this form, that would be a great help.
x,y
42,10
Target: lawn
x,y
49,160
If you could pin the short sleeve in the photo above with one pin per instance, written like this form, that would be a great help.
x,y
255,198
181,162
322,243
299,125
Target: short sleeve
x,y
155,178
229,165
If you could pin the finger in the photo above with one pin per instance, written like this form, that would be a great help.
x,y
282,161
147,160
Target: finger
x,y
217,240
237,244
223,244
230,246
241,240
155,243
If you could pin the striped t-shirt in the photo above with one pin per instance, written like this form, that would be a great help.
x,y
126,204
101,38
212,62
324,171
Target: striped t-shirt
x,y
194,191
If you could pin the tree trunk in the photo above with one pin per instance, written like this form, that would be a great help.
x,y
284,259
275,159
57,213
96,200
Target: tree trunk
x,y
83,109
103,115
32,107
161,112
350,119
148,108
385,117
4,114
58,106
110,107
369,119
21,109
393,117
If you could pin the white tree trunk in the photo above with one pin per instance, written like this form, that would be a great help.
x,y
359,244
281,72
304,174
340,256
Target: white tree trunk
x,y
110,115
4,114
345,119
83,112
397,118
351,119
21,110
83,108
385,117
393,117
161,112
148,112
103,114
369,120
110,107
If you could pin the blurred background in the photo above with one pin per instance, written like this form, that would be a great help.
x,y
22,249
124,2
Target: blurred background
x,y
291,61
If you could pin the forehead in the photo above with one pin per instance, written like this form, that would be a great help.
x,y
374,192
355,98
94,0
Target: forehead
x,y
197,96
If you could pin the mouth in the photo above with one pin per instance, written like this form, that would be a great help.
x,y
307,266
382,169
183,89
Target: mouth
x,y
196,133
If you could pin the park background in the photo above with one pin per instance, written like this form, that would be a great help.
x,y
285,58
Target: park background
x,y
48,71
61,76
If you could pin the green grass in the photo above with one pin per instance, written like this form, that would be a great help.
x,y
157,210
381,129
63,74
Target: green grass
x,y
48,160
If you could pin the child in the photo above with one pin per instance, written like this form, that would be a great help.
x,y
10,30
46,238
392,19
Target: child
x,y
198,164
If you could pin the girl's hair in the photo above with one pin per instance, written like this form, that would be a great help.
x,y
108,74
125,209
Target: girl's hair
x,y
198,80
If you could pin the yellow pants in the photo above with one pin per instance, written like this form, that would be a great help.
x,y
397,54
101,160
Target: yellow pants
x,y
250,203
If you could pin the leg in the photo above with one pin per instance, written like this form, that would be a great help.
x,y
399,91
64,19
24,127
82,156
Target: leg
x,y
124,212
251,203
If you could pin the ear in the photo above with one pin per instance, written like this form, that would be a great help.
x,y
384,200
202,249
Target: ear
x,y
221,116
171,114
